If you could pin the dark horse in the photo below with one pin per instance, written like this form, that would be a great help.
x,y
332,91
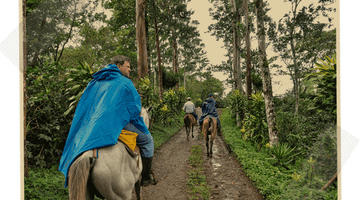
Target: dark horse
x,y
189,121
209,129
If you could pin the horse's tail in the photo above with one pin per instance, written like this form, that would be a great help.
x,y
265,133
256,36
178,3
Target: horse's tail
x,y
78,177
210,123
187,120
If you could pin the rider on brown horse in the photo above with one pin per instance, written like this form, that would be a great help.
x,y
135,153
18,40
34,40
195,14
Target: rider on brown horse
x,y
189,107
208,108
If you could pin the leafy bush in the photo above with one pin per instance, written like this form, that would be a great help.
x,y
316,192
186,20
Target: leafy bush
x,y
47,128
45,184
302,129
282,154
255,122
322,85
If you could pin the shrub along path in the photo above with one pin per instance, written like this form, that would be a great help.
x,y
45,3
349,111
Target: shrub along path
x,y
223,172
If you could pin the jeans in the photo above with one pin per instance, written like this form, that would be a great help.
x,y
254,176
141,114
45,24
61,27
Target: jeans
x,y
143,140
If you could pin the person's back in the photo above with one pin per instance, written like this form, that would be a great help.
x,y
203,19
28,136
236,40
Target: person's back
x,y
209,108
109,104
189,107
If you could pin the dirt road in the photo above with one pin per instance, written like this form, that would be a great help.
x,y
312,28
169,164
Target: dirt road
x,y
223,172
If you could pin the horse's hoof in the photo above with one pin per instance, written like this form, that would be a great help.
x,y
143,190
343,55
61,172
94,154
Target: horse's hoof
x,y
192,136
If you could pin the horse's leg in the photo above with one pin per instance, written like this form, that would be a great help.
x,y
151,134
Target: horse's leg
x,y
213,135
138,190
187,132
207,143
211,145
89,194
192,131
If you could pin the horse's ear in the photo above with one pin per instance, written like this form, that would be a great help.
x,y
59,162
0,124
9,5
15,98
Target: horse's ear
x,y
149,108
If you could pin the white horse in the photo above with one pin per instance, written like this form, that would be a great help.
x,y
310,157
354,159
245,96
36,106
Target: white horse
x,y
113,176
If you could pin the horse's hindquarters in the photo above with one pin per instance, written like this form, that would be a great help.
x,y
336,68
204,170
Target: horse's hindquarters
x,y
116,172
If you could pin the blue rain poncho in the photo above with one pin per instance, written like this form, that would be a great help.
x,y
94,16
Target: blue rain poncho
x,y
208,108
109,102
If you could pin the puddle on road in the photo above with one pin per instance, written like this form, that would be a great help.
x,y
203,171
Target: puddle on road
x,y
216,155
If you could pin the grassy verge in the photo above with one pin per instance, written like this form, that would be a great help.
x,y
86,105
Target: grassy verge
x,y
196,182
273,182
49,183
163,132
45,184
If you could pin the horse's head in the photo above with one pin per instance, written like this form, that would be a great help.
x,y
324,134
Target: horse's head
x,y
145,114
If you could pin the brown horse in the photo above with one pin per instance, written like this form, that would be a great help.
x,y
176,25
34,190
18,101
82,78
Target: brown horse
x,y
209,129
189,121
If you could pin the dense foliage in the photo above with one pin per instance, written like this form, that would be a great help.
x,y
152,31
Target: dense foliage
x,y
302,178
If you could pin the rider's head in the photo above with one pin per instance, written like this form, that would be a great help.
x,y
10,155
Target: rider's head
x,y
189,99
211,95
123,63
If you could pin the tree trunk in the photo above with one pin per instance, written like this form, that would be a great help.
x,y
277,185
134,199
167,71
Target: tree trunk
x,y
235,56
175,56
235,52
26,168
161,89
148,56
248,51
265,73
296,73
141,39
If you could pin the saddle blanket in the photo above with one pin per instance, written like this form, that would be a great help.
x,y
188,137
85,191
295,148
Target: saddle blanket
x,y
128,138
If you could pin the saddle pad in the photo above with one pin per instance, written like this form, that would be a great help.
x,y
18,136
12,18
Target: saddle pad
x,y
129,138
132,153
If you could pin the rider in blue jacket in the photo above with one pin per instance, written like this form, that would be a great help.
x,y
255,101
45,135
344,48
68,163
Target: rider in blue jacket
x,y
109,104
208,108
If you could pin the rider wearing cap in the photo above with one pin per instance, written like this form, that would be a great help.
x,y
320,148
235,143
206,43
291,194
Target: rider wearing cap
x,y
189,107
208,108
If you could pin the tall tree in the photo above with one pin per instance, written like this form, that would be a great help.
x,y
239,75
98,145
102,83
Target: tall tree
x,y
248,50
157,43
265,73
141,39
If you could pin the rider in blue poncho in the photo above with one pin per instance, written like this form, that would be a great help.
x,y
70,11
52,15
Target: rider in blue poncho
x,y
109,104
208,108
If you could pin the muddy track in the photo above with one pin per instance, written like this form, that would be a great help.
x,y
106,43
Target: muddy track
x,y
223,172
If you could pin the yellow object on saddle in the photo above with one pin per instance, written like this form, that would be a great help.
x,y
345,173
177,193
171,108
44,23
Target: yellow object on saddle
x,y
129,138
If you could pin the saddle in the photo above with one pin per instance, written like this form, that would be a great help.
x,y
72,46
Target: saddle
x,y
129,140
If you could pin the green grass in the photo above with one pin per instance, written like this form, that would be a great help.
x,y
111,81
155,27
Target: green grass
x,y
196,182
49,183
45,184
273,181
162,133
